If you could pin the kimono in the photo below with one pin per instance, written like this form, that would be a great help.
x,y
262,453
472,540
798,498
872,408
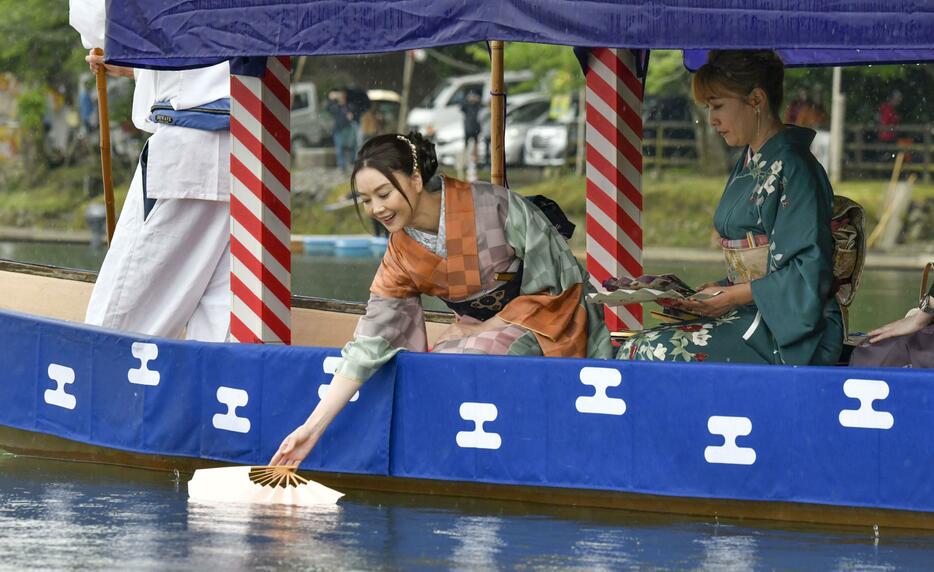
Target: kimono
x,y
490,234
781,195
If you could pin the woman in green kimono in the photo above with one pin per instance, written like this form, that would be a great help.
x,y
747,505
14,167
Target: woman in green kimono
x,y
776,305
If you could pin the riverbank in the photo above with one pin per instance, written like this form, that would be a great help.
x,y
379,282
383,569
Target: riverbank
x,y
903,259
678,209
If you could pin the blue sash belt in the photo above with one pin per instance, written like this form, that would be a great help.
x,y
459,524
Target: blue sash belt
x,y
214,116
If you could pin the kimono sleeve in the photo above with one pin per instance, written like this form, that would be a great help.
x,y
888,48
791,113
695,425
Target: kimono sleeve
x,y
792,296
553,283
394,321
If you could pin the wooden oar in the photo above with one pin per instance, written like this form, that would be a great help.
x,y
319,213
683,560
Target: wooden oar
x,y
104,122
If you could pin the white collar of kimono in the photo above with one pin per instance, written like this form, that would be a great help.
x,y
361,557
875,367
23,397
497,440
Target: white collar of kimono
x,y
436,243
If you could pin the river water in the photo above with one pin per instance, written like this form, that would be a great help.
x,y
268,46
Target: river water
x,y
56,515
884,295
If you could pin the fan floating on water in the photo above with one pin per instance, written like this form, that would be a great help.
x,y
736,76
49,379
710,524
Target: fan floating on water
x,y
266,485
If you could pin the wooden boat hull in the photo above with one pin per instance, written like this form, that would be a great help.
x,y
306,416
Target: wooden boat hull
x,y
826,445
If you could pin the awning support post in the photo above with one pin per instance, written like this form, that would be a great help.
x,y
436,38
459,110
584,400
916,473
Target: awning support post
x,y
260,205
614,174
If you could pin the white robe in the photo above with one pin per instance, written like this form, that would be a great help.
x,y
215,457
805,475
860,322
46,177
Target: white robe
x,y
170,270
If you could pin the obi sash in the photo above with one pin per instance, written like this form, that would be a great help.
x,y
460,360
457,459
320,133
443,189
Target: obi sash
x,y
746,259
213,116
491,303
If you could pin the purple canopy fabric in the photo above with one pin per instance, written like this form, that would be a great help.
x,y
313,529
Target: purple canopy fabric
x,y
694,59
185,33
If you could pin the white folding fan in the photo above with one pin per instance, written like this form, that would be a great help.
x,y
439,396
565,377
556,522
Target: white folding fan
x,y
266,485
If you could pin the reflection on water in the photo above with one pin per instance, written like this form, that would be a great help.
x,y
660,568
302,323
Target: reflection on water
x,y
729,553
884,295
56,515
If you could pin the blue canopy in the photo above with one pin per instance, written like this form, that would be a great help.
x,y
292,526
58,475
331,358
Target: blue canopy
x,y
186,33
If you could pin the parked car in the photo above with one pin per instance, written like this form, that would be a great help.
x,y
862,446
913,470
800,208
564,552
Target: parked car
x,y
522,111
386,104
519,119
441,108
312,124
553,141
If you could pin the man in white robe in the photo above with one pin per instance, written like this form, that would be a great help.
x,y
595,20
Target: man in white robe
x,y
168,267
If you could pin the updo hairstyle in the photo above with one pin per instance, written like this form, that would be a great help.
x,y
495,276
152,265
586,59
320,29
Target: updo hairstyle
x,y
391,153
738,72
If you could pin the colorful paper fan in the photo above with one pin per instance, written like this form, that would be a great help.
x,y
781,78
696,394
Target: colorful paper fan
x,y
267,485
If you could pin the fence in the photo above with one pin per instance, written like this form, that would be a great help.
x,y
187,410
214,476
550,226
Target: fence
x,y
865,153
672,143
669,144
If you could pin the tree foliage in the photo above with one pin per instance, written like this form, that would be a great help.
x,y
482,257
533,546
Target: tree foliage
x,y
556,68
39,47
667,75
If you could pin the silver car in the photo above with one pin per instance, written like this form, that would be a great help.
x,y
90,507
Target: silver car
x,y
523,111
553,140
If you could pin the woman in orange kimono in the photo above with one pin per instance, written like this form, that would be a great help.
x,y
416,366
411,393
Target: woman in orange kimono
x,y
491,255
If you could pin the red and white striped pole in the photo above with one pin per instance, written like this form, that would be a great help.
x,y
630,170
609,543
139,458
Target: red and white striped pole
x,y
260,206
614,174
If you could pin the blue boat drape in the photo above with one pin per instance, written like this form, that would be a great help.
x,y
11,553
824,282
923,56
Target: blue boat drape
x,y
186,33
836,436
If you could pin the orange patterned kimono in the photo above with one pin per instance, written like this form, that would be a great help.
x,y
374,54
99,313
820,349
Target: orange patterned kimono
x,y
489,232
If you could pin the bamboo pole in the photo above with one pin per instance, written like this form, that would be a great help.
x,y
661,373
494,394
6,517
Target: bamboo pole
x,y
497,116
892,202
104,124
408,68
837,117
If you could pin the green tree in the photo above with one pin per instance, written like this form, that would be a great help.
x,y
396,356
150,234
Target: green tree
x,y
44,52
39,47
30,111
667,75
556,68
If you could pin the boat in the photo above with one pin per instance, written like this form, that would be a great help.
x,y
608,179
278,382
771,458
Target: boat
x,y
811,444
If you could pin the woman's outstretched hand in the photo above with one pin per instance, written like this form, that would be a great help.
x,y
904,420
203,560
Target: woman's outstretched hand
x,y
299,443
914,321
295,447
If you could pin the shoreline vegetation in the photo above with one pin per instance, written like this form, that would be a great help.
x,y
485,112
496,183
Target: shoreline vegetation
x,y
678,205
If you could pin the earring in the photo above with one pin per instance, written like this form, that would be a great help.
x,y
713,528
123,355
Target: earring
x,y
758,122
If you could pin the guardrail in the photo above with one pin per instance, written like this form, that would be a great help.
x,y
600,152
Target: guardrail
x,y
669,144
672,143
864,152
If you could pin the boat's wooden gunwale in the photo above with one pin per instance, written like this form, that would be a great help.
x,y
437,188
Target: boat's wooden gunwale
x,y
304,302
47,271
40,445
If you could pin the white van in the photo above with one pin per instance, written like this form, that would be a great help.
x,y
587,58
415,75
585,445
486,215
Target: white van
x,y
442,108
311,124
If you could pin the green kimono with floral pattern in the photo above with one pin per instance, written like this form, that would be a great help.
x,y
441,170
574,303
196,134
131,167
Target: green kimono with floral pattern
x,y
781,192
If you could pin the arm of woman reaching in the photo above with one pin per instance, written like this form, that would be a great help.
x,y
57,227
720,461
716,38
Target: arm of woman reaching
x,y
914,321
299,443
393,321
